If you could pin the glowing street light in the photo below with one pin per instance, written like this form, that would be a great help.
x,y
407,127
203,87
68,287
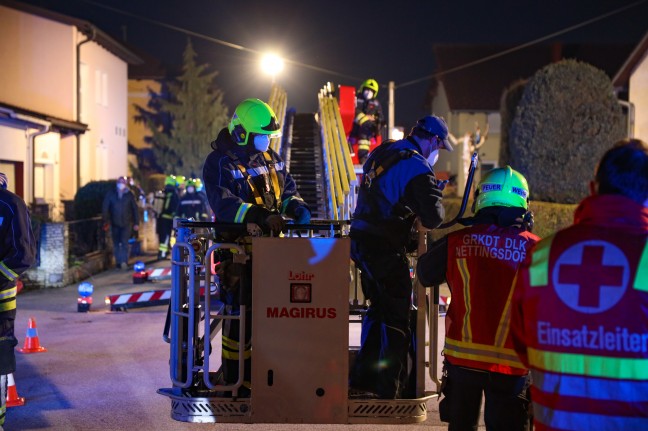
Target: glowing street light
x,y
272,64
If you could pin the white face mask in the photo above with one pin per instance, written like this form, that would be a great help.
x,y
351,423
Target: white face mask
x,y
261,142
368,94
190,189
433,157
121,186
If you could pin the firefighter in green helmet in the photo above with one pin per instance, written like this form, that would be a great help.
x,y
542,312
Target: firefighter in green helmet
x,y
479,264
247,182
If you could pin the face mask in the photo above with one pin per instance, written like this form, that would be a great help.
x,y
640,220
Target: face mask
x,y
368,94
190,189
433,157
261,142
121,186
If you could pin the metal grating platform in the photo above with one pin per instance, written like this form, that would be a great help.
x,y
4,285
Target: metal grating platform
x,y
185,408
404,411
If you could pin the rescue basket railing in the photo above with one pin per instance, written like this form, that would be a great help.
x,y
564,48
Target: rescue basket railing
x,y
339,171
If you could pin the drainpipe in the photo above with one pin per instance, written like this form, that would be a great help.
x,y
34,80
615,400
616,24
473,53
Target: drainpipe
x,y
90,38
45,127
631,117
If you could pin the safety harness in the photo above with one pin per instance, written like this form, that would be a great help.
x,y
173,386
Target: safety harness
x,y
258,198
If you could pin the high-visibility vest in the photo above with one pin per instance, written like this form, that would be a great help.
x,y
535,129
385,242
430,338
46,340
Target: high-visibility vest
x,y
583,318
482,261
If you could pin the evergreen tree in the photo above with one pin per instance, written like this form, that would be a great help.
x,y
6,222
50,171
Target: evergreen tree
x,y
184,120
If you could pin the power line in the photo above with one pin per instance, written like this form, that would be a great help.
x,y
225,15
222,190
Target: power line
x,y
519,47
216,40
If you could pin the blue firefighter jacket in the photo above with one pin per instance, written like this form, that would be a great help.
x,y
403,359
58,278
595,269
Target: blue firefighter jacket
x,y
387,207
244,185
17,250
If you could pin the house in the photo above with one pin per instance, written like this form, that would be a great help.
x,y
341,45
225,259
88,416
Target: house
x,y
472,79
63,104
632,78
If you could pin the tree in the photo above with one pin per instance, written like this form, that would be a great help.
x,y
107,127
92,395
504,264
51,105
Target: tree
x,y
566,119
185,117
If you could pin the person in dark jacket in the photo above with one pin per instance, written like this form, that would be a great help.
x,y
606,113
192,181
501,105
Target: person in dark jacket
x,y
247,182
368,118
398,185
121,215
479,264
17,254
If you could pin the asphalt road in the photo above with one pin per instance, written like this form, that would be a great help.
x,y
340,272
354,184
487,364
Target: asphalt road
x,y
102,369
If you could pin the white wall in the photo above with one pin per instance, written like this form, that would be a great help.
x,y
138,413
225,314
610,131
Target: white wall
x,y
639,97
37,63
104,106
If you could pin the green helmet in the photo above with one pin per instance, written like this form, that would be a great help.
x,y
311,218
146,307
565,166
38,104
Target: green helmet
x,y
253,116
504,187
371,84
171,180
180,179
191,182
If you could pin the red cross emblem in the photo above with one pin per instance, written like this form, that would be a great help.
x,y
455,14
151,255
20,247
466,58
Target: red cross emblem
x,y
591,276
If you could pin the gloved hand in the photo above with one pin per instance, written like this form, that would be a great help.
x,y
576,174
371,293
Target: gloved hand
x,y
275,223
302,215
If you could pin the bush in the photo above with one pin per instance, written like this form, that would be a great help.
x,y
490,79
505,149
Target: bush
x,y
567,118
89,198
155,182
508,105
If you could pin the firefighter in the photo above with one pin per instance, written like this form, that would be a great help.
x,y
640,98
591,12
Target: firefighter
x,y
580,305
479,264
368,118
398,185
17,254
192,205
247,182
167,204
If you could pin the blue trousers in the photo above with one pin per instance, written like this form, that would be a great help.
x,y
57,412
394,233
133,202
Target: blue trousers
x,y
120,236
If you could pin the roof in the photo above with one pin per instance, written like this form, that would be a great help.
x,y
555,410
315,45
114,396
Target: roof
x,y
8,112
622,77
85,27
480,87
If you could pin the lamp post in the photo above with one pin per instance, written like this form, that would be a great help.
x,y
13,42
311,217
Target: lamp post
x,y
272,64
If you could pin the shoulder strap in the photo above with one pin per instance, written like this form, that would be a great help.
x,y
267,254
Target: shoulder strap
x,y
273,175
381,163
237,162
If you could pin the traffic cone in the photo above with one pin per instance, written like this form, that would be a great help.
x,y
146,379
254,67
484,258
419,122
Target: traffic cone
x,y
13,400
32,345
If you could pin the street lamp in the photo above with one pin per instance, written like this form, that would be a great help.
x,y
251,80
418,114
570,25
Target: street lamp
x,y
272,64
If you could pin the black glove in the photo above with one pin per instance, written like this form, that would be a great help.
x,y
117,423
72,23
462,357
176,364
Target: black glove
x,y
275,223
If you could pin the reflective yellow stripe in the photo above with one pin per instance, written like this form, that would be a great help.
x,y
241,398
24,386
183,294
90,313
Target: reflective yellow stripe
x,y
465,277
589,365
539,270
285,203
273,176
8,293
482,353
641,279
7,272
227,354
229,343
9,305
505,321
240,214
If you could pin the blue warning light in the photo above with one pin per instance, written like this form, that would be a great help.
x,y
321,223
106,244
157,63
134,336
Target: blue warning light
x,y
86,289
139,266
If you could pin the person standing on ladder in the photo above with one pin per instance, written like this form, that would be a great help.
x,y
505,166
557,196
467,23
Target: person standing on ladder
x,y
368,118
17,254
247,182
398,185
168,204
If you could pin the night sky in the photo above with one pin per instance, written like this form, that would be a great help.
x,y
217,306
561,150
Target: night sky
x,y
387,40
